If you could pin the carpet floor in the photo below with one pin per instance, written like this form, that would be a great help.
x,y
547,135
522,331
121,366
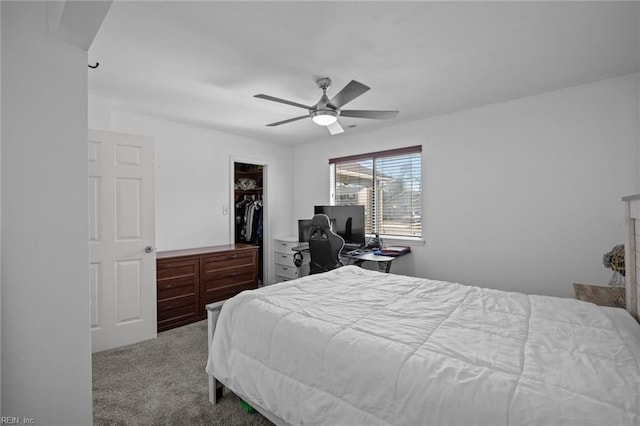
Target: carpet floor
x,y
162,382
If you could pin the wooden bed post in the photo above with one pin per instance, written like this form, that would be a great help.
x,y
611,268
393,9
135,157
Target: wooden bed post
x,y
213,312
631,254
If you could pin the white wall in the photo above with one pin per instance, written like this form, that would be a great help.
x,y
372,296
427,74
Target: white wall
x,y
0,210
46,353
193,178
522,195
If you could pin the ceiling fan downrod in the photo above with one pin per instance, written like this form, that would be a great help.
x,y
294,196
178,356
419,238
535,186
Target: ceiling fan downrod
x,y
322,105
322,114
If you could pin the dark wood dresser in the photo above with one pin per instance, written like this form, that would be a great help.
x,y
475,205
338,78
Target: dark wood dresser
x,y
189,279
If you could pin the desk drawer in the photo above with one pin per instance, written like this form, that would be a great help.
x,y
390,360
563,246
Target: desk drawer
x,y
287,271
284,259
285,247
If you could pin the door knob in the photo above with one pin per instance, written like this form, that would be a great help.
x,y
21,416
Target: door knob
x,y
148,249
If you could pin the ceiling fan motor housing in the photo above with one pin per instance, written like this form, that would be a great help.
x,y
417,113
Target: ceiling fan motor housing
x,y
323,83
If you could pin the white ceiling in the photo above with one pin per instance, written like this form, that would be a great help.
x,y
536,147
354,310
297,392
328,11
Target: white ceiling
x,y
202,62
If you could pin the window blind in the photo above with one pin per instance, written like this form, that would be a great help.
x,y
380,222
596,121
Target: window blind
x,y
387,183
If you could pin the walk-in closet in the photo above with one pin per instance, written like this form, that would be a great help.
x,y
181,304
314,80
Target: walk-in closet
x,y
249,208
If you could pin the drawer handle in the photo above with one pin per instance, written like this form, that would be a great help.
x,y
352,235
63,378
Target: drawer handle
x,y
285,268
171,305
234,274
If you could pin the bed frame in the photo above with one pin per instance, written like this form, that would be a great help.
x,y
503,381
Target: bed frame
x,y
215,386
632,296
213,312
632,253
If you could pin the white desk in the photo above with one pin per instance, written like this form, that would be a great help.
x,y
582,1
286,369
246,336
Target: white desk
x,y
363,255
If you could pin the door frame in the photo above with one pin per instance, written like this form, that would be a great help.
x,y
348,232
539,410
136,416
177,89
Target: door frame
x,y
266,228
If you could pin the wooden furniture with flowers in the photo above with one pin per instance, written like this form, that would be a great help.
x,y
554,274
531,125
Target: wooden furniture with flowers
x,y
614,294
600,295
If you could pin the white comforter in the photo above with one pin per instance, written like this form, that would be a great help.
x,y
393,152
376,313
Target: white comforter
x,y
357,347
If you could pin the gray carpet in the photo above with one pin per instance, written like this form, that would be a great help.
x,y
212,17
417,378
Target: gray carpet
x,y
162,382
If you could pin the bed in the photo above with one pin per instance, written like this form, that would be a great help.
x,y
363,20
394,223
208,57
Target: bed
x,y
360,347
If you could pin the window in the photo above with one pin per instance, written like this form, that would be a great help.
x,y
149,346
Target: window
x,y
387,183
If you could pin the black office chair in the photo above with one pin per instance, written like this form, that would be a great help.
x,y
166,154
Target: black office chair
x,y
324,245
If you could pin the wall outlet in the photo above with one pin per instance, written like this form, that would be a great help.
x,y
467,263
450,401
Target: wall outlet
x,y
225,210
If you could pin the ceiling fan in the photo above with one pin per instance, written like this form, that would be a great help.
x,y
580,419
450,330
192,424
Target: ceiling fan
x,y
326,112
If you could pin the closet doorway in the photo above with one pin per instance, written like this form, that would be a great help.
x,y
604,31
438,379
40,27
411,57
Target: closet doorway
x,y
249,207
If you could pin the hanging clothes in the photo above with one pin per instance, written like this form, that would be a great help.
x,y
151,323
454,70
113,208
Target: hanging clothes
x,y
249,220
240,217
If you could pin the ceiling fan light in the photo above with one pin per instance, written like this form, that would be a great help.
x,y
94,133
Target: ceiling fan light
x,y
324,118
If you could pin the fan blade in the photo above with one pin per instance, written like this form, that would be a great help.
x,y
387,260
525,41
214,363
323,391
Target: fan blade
x,y
287,121
347,94
362,113
335,128
282,101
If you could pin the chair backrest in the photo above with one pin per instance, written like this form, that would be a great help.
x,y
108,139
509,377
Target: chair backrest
x,y
324,245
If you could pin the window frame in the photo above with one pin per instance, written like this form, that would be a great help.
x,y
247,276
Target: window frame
x,y
373,156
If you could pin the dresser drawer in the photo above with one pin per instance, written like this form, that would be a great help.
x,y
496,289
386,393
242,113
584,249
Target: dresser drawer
x,y
220,261
177,311
177,271
175,303
186,289
226,292
228,276
177,292
189,279
175,287
227,282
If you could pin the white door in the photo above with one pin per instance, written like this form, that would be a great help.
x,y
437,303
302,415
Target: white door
x,y
122,239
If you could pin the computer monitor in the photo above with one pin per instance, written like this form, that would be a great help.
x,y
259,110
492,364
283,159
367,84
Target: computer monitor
x,y
349,222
